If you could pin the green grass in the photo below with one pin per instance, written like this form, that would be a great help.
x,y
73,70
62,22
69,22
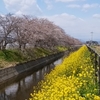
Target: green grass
x,y
12,57
9,58
61,48
42,52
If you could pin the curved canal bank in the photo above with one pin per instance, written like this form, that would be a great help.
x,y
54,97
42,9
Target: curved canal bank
x,y
21,89
11,74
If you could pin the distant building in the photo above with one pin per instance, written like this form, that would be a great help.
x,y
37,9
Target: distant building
x,y
92,43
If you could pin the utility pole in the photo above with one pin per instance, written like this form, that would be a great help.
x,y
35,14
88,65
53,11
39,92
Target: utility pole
x,y
91,38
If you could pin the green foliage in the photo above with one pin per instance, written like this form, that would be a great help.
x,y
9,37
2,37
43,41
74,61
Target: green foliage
x,y
34,53
7,57
11,55
61,48
42,52
19,56
11,58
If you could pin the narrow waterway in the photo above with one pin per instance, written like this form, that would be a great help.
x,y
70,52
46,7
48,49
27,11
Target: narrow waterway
x,y
21,90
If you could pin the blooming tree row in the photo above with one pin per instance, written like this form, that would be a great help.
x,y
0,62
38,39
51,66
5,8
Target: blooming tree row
x,y
27,31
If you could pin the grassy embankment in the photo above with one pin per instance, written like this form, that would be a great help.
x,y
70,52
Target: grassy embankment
x,y
97,49
71,80
12,57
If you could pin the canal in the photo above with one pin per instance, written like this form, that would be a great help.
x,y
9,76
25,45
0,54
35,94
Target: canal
x,y
21,89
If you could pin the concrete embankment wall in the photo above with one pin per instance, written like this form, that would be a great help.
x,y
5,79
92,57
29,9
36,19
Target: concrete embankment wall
x,y
13,72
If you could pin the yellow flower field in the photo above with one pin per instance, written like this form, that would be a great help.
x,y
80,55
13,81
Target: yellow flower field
x,y
71,80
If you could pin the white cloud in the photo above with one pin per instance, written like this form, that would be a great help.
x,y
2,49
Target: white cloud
x,y
49,4
23,7
77,27
68,0
65,0
88,6
73,6
96,16
69,23
74,26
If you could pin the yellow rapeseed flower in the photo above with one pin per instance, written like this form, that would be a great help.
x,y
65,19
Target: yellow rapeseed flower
x,y
72,80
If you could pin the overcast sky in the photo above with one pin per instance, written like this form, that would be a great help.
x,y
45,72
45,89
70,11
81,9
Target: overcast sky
x,y
77,17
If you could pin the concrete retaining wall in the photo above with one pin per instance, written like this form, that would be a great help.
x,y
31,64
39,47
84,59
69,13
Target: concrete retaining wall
x,y
13,72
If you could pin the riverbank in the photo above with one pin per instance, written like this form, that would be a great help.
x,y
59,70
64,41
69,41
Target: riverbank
x,y
21,89
13,73
21,69
12,57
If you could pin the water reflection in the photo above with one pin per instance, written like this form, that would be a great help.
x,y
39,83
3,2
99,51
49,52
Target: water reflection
x,y
21,90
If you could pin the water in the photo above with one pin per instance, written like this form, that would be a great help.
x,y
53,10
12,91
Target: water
x,y
21,90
